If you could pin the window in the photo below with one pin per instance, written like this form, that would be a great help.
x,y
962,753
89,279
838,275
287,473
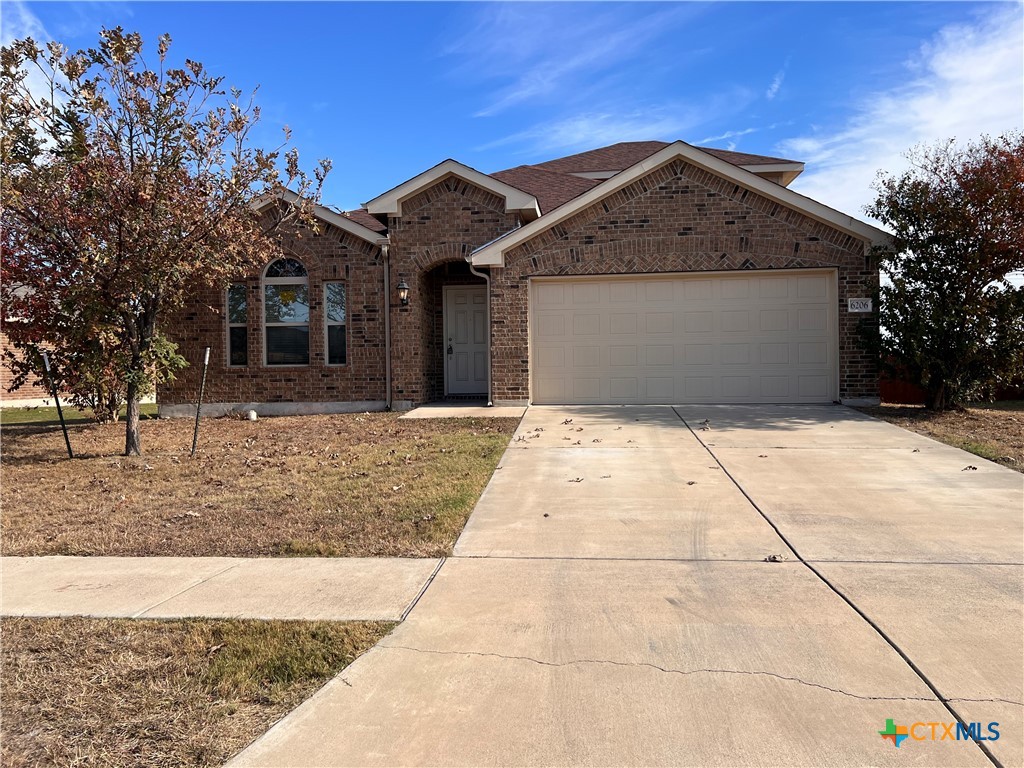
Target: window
x,y
238,330
286,313
334,301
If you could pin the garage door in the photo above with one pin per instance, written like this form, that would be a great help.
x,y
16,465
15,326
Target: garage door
x,y
754,337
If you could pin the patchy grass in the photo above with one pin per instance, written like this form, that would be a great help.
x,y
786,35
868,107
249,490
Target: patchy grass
x,y
343,485
993,431
131,692
43,415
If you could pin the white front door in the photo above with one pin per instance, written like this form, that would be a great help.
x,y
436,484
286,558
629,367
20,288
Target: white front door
x,y
465,340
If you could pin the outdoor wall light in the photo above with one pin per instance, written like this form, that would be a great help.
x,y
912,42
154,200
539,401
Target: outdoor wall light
x,y
403,293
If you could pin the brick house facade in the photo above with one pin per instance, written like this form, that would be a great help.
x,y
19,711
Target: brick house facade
x,y
633,212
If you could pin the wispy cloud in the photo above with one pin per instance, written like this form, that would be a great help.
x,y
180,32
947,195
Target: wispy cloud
x,y
552,52
776,84
966,81
598,127
19,23
728,135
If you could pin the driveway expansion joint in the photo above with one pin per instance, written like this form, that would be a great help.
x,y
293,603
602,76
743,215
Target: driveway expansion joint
x,y
945,701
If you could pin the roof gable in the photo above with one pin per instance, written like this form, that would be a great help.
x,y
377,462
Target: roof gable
x,y
390,203
493,253
325,214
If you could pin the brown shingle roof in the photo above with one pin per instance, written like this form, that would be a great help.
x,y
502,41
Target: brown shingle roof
x,y
551,189
361,216
553,184
618,157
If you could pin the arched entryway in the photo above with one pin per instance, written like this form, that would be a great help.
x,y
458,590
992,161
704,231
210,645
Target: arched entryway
x,y
456,349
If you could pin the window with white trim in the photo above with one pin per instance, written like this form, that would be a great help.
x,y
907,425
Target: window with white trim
x,y
238,325
334,312
286,313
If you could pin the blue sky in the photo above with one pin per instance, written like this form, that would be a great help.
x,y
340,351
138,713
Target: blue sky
x,y
387,90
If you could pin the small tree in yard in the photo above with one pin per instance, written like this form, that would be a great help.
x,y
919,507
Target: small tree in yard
x,y
123,188
951,319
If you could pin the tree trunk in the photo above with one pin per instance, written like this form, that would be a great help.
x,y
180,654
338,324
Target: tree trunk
x,y
132,445
935,396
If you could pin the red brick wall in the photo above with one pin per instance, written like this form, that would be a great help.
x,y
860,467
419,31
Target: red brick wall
x,y
679,218
333,255
440,225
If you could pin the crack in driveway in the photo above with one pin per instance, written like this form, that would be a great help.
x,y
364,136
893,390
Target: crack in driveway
x,y
682,672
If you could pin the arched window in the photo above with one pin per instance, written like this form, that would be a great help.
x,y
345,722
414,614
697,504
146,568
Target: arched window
x,y
286,313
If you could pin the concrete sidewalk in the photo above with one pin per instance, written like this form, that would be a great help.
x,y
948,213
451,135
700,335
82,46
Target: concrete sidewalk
x,y
336,589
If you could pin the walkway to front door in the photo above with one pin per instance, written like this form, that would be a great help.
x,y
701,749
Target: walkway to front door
x,y
465,339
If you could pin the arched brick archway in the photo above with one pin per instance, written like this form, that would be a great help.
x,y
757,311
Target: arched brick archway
x,y
419,328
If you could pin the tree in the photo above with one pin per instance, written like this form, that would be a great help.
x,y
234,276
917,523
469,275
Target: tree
x,y
124,187
950,316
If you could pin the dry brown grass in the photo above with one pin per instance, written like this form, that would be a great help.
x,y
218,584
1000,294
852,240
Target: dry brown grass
x,y
345,485
994,432
131,692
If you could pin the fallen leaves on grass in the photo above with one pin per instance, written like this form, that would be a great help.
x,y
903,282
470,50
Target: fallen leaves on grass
x,y
341,485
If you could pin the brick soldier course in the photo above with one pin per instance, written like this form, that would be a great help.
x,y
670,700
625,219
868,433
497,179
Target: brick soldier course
x,y
676,217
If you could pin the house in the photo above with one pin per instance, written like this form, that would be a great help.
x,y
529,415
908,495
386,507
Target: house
x,y
642,272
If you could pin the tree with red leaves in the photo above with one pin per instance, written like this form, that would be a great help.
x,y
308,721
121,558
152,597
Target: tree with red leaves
x,y
124,187
952,317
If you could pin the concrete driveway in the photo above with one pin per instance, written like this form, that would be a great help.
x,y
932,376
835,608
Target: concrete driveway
x,y
610,603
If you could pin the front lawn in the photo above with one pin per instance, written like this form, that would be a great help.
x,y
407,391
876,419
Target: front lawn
x,y
343,485
47,414
133,692
994,431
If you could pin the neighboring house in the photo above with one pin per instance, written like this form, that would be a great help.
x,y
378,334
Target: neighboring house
x,y
27,395
643,272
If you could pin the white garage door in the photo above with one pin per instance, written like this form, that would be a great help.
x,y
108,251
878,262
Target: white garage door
x,y
755,337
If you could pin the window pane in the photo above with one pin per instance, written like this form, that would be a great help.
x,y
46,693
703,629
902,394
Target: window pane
x,y
286,268
287,304
335,296
287,345
336,344
237,304
238,345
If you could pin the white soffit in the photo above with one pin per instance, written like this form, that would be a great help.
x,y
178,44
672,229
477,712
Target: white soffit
x,y
326,214
390,203
493,253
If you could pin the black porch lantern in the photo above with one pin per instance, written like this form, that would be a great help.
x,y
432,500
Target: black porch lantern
x,y
403,293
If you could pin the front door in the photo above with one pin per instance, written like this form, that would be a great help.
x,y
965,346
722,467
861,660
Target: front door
x,y
465,340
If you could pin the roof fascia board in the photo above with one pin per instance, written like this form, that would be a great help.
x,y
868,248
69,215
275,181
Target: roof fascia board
x,y
771,167
390,203
493,254
324,214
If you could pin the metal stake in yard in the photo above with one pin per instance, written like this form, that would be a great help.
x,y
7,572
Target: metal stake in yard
x,y
199,402
56,399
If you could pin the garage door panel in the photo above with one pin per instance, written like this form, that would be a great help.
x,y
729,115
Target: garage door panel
x,y
586,389
773,288
659,322
698,290
586,293
659,291
699,322
586,357
750,338
733,289
735,321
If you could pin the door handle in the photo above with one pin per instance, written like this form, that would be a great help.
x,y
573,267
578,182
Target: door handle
x,y
450,350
